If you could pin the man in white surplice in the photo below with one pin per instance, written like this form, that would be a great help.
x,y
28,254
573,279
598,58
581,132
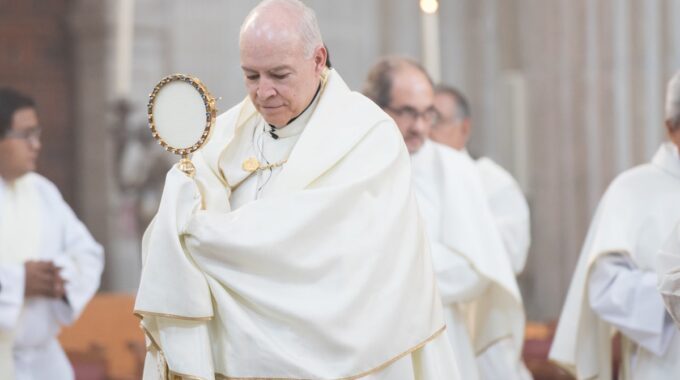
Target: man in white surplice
x,y
484,312
614,288
506,200
49,264
296,252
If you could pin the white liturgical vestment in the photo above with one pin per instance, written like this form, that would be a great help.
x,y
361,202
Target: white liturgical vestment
x,y
36,224
614,286
483,307
316,269
509,209
669,274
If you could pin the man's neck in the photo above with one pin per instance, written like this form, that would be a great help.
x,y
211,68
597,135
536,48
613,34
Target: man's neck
x,y
318,89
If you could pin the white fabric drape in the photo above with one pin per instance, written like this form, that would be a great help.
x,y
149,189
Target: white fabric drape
x,y
326,275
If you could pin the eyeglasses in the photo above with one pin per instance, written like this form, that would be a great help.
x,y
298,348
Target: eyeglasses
x,y
409,114
31,134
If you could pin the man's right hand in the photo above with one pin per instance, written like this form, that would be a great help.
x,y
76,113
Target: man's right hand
x,y
43,279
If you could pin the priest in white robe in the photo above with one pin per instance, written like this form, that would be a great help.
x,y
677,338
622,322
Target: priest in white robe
x,y
507,202
668,266
49,264
614,288
297,251
484,312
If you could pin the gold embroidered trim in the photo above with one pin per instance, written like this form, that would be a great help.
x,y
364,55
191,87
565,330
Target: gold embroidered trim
x,y
140,314
182,376
379,368
481,351
151,338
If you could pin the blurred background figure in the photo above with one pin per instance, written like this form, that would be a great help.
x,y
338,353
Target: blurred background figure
x,y
614,288
506,200
483,307
49,263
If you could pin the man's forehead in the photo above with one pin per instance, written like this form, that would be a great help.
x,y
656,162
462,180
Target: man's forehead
x,y
277,68
24,118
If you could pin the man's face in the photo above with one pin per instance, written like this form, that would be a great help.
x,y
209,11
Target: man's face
x,y
20,146
280,80
412,106
452,129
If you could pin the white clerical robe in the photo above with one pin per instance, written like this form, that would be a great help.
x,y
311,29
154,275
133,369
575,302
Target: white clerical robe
x,y
36,224
668,267
509,209
483,307
321,268
613,288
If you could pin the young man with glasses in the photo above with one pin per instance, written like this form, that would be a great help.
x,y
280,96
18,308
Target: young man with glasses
x,y
49,263
483,308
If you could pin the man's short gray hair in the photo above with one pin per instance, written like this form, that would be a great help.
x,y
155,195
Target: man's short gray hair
x,y
461,102
308,25
673,102
378,85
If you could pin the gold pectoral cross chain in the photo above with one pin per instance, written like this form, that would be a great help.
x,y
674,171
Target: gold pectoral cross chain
x,y
252,164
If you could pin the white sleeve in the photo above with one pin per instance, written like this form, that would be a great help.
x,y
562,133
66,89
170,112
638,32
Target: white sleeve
x,y
82,262
669,287
12,285
457,279
668,269
627,298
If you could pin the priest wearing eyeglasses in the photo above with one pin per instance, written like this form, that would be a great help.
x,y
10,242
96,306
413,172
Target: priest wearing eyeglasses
x,y
483,307
49,263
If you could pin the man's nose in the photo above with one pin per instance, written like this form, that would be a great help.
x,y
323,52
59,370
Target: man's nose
x,y
35,143
420,125
265,89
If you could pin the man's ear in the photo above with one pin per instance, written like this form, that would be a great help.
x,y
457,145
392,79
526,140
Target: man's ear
x,y
466,129
320,57
669,127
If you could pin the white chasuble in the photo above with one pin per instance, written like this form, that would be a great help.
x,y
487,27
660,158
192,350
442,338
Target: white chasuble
x,y
36,224
509,209
483,307
634,218
669,274
323,273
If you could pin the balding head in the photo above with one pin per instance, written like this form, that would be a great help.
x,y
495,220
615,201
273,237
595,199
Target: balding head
x,y
282,57
287,20
404,90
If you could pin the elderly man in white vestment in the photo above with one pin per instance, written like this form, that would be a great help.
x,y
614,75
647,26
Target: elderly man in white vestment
x,y
49,264
484,312
506,200
614,288
311,264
